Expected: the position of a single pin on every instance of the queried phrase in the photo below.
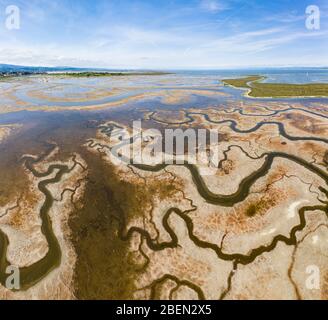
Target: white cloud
(187, 44)
(285, 17)
(213, 5)
(182, 50)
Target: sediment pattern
(80, 224)
(276, 182)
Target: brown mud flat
(69, 131)
(103, 270)
(106, 268)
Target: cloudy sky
(164, 34)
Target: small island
(258, 89)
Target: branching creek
(31, 275)
(34, 273)
(223, 200)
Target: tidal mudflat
(78, 225)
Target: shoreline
(249, 90)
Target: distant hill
(9, 68)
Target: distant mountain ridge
(16, 68)
(12, 68)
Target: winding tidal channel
(33, 274)
(223, 200)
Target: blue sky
(164, 34)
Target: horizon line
(169, 69)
